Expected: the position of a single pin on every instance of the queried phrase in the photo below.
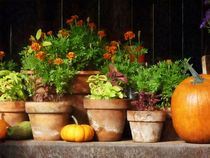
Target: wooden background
(170, 28)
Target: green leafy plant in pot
(154, 85)
(12, 97)
(106, 107)
(50, 60)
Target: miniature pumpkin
(3, 129)
(190, 108)
(76, 132)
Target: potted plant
(106, 107)
(88, 45)
(12, 97)
(126, 57)
(154, 85)
(52, 69)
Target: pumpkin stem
(197, 78)
(75, 120)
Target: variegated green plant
(101, 88)
(12, 87)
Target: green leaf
(38, 34)
(30, 50)
(46, 43)
(32, 38)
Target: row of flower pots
(107, 117)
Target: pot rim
(106, 103)
(12, 106)
(146, 116)
(48, 107)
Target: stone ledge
(118, 149)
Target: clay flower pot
(13, 112)
(107, 117)
(47, 118)
(146, 126)
(80, 86)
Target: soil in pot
(146, 126)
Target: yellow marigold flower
(35, 46)
(101, 34)
(60, 31)
(58, 61)
(129, 35)
(71, 55)
(49, 33)
(41, 55)
(2, 54)
(168, 61)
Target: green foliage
(8, 65)
(125, 57)
(49, 61)
(161, 78)
(87, 46)
(12, 87)
(101, 88)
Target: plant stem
(75, 120)
(197, 78)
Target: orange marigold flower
(129, 35)
(113, 49)
(112, 59)
(35, 46)
(107, 48)
(71, 55)
(101, 34)
(70, 21)
(49, 33)
(40, 55)
(92, 25)
(74, 17)
(50, 61)
(107, 56)
(58, 61)
(80, 22)
(30, 39)
(2, 54)
(114, 43)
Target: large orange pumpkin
(190, 108)
(77, 133)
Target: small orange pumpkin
(190, 108)
(3, 129)
(76, 132)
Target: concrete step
(118, 149)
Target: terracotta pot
(80, 86)
(146, 126)
(107, 117)
(13, 112)
(47, 118)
